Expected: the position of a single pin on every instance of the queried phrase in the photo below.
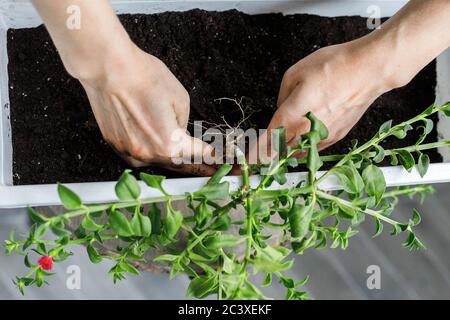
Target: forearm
(412, 38)
(84, 50)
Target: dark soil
(214, 55)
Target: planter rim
(21, 14)
(103, 192)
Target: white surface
(20, 14)
(103, 192)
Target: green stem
(395, 193)
(198, 239)
(117, 205)
(379, 137)
(371, 212)
(32, 271)
(275, 169)
(71, 242)
(277, 193)
(249, 224)
(414, 148)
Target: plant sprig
(220, 261)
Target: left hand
(336, 83)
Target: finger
(286, 88)
(201, 170)
(291, 117)
(287, 116)
(283, 94)
(191, 155)
(260, 151)
(134, 162)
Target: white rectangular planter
(21, 14)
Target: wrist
(91, 61)
(383, 61)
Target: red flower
(46, 262)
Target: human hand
(339, 83)
(336, 83)
(143, 110)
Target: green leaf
(228, 264)
(374, 182)
(423, 164)
(141, 225)
(128, 267)
(222, 223)
(446, 109)
(272, 253)
(127, 188)
(172, 222)
(429, 125)
(428, 110)
(64, 240)
(350, 178)
(153, 181)
(280, 176)
(378, 227)
(412, 242)
(302, 282)
(287, 282)
(41, 249)
(218, 191)
(299, 220)
(358, 218)
(36, 217)
(379, 154)
(416, 219)
(89, 225)
(220, 173)
(166, 258)
(69, 199)
(93, 254)
(407, 159)
(279, 141)
(313, 161)
(155, 219)
(267, 280)
(202, 214)
(346, 211)
(39, 277)
(202, 286)
(222, 241)
(27, 261)
(120, 223)
(260, 208)
(318, 126)
(394, 159)
(401, 133)
(265, 265)
(385, 127)
(398, 228)
(59, 230)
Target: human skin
(141, 108)
(339, 83)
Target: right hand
(143, 110)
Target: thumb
(193, 156)
(262, 151)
